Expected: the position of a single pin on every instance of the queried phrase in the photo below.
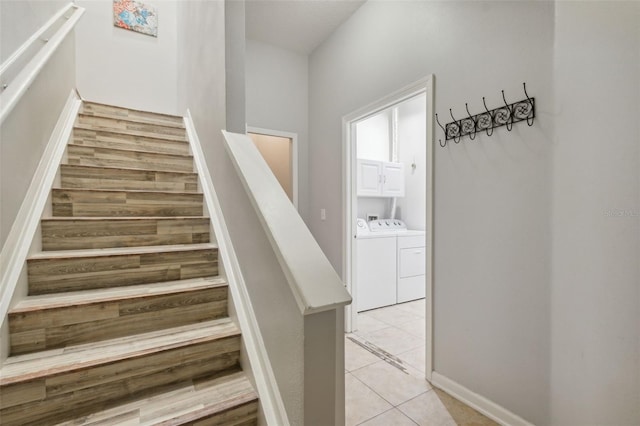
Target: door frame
(294, 154)
(424, 85)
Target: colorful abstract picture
(135, 16)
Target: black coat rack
(490, 119)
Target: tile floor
(384, 378)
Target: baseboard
(16, 247)
(485, 406)
(267, 387)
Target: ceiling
(298, 25)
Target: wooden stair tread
(110, 111)
(116, 251)
(133, 151)
(118, 218)
(87, 297)
(165, 137)
(137, 191)
(105, 138)
(75, 176)
(23, 368)
(126, 169)
(181, 405)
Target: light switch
(323, 214)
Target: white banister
(14, 89)
(313, 281)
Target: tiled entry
(384, 378)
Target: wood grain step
(126, 179)
(92, 203)
(130, 127)
(109, 111)
(58, 320)
(105, 139)
(228, 400)
(74, 270)
(104, 232)
(124, 158)
(60, 384)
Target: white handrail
(18, 86)
(314, 283)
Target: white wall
(374, 138)
(26, 131)
(492, 199)
(19, 19)
(122, 67)
(595, 327)
(277, 99)
(201, 47)
(235, 52)
(412, 149)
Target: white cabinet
(392, 180)
(380, 179)
(411, 268)
(369, 178)
(376, 271)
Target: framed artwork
(135, 16)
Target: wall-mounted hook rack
(506, 115)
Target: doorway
(423, 88)
(280, 151)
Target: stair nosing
(137, 191)
(133, 150)
(95, 355)
(139, 133)
(119, 218)
(94, 296)
(119, 251)
(127, 168)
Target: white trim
(19, 85)
(294, 154)
(485, 406)
(16, 247)
(267, 387)
(424, 85)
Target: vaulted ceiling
(298, 25)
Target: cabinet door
(369, 178)
(376, 269)
(393, 179)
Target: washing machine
(376, 262)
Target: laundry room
(390, 174)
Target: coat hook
(510, 117)
(490, 118)
(455, 122)
(530, 101)
(444, 131)
(473, 121)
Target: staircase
(126, 319)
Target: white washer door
(376, 272)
